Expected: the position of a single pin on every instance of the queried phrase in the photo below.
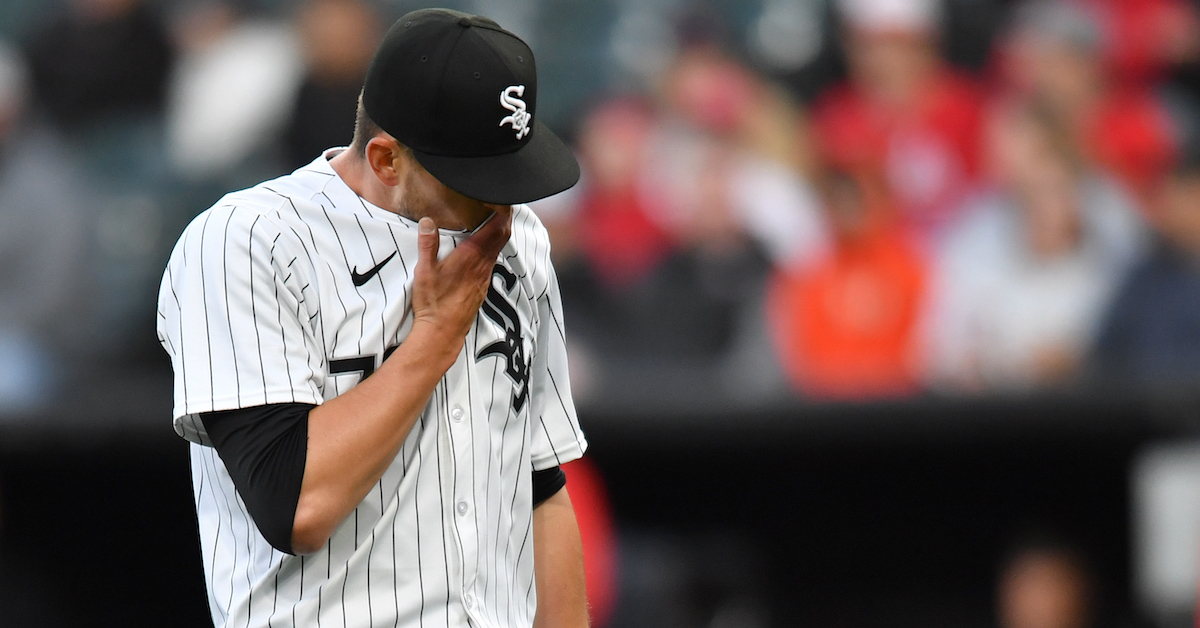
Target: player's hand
(447, 293)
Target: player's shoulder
(528, 250)
(529, 235)
(266, 206)
(278, 195)
(237, 212)
(245, 222)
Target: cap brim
(541, 168)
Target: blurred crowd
(840, 199)
(911, 225)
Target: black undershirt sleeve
(546, 483)
(264, 448)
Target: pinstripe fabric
(257, 306)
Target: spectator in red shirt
(1055, 54)
(904, 113)
(1145, 37)
(616, 225)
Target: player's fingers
(494, 234)
(427, 242)
(477, 254)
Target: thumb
(427, 241)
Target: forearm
(558, 565)
(353, 438)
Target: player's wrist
(434, 342)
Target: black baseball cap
(461, 92)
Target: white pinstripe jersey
(259, 304)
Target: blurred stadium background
(882, 312)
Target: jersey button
(468, 599)
(457, 414)
(462, 508)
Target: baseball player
(370, 365)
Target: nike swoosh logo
(365, 277)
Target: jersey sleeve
(233, 318)
(557, 437)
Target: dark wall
(903, 534)
(890, 515)
(99, 535)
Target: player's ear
(388, 159)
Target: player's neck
(356, 173)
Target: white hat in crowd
(892, 15)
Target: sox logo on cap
(434, 84)
(520, 117)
